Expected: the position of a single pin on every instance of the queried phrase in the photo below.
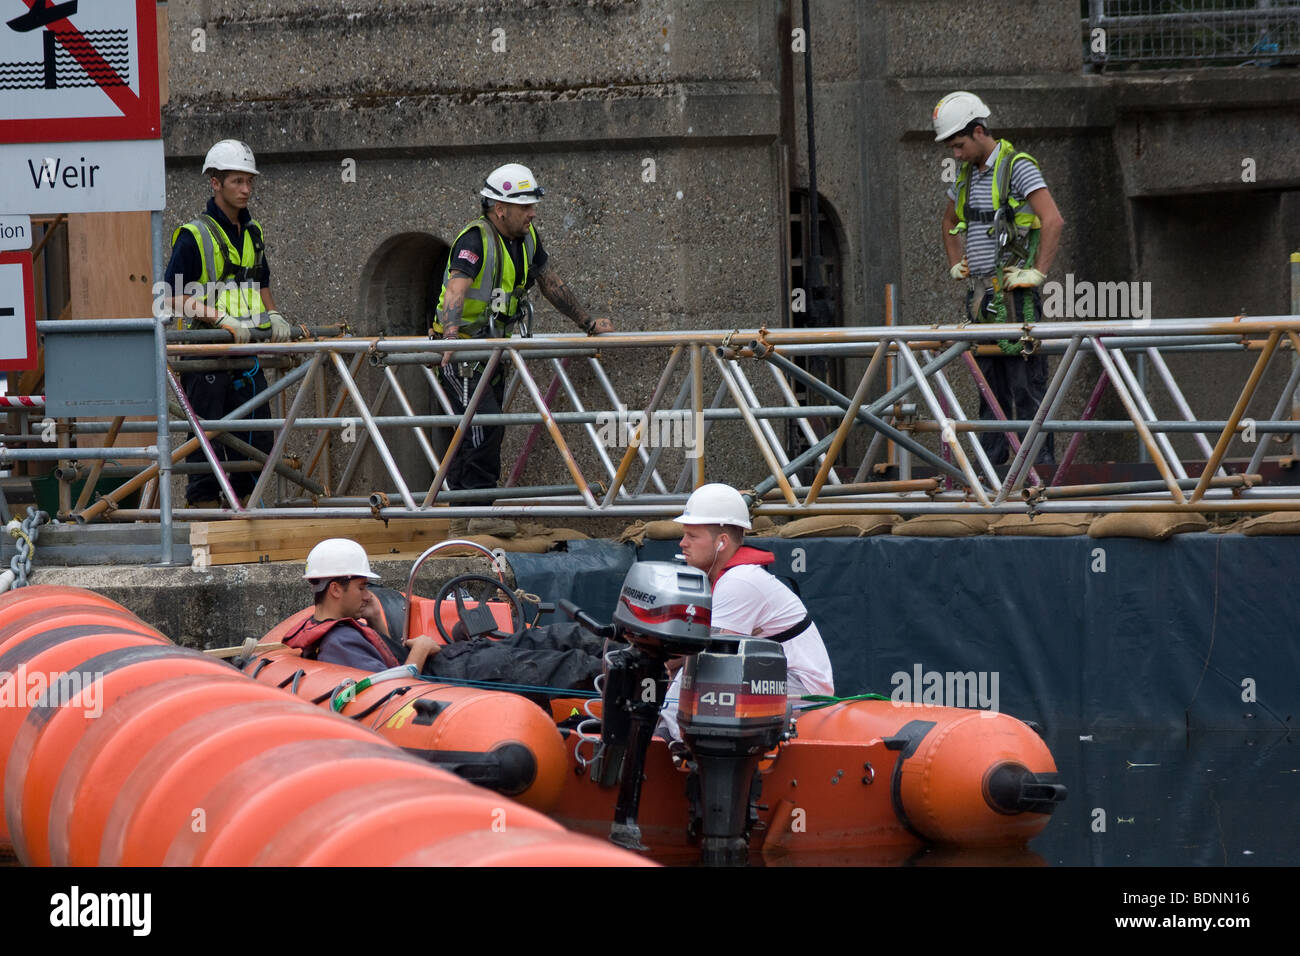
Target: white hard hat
(955, 112)
(512, 183)
(231, 154)
(338, 558)
(715, 504)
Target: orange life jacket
(310, 633)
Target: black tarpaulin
(1198, 631)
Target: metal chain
(25, 535)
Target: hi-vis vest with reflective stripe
(1007, 157)
(220, 262)
(496, 271)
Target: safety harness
(1015, 229)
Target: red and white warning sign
(78, 70)
(17, 312)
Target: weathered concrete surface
(1012, 37)
(414, 95)
(224, 606)
(587, 90)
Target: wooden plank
(201, 557)
(109, 265)
(254, 525)
(298, 550)
(373, 542)
(254, 529)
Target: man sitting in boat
(357, 626)
(338, 632)
(747, 599)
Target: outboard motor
(663, 610)
(733, 709)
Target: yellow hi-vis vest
(229, 269)
(496, 289)
(1007, 157)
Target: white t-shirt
(749, 600)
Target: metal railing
(1165, 34)
(920, 414)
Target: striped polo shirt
(981, 249)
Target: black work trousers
(1017, 382)
(477, 462)
(215, 395)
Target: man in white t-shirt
(747, 599)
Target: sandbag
(663, 530)
(1275, 522)
(1051, 525)
(944, 526)
(1152, 525)
(567, 534)
(528, 545)
(633, 533)
(838, 526)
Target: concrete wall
(224, 606)
(587, 92)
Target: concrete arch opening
(830, 233)
(397, 294)
(397, 282)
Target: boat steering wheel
(479, 620)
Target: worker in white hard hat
(1001, 232)
(340, 576)
(357, 626)
(492, 264)
(218, 277)
(747, 598)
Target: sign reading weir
(79, 107)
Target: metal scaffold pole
(923, 410)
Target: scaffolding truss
(640, 455)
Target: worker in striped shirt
(1001, 231)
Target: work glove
(1011, 346)
(1023, 278)
(235, 328)
(960, 271)
(279, 326)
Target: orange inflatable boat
(118, 748)
(853, 774)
